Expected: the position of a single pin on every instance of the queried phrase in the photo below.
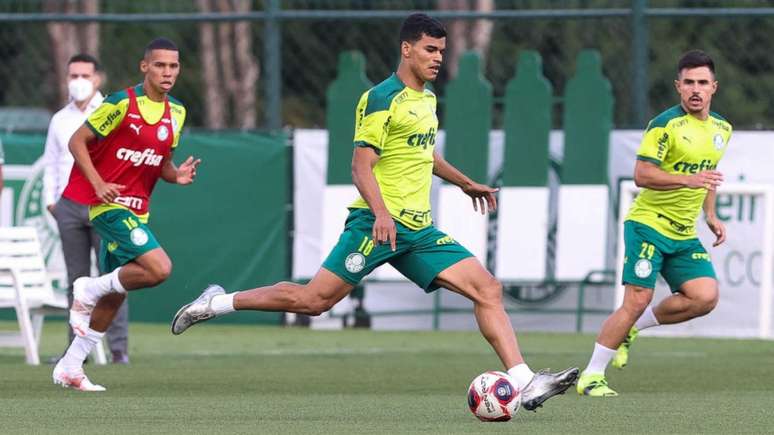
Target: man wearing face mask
(76, 231)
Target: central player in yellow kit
(676, 168)
(393, 164)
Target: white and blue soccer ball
(493, 397)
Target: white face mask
(80, 89)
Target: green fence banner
(468, 119)
(342, 97)
(588, 119)
(527, 124)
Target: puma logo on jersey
(136, 128)
(411, 112)
(147, 157)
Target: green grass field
(243, 379)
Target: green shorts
(420, 255)
(124, 238)
(649, 253)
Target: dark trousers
(78, 239)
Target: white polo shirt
(57, 160)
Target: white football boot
(545, 385)
(74, 378)
(197, 311)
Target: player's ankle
(223, 304)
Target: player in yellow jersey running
(676, 169)
(393, 164)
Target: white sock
(223, 304)
(647, 319)
(104, 284)
(115, 282)
(80, 348)
(521, 374)
(599, 359)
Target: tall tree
(229, 67)
(466, 34)
(66, 39)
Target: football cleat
(83, 305)
(594, 385)
(545, 385)
(199, 310)
(621, 357)
(74, 379)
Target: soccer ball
(492, 397)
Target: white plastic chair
(25, 287)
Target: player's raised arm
(363, 161)
(481, 194)
(79, 147)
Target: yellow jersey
(400, 124)
(678, 143)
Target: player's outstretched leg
(313, 298)
(470, 279)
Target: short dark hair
(695, 59)
(417, 24)
(160, 44)
(85, 58)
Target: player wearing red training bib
(130, 156)
(120, 153)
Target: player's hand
(718, 229)
(384, 231)
(186, 172)
(483, 196)
(709, 180)
(50, 208)
(107, 192)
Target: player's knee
(160, 272)
(318, 306)
(637, 299)
(491, 293)
(706, 302)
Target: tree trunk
(456, 35)
(63, 45)
(463, 34)
(481, 34)
(90, 31)
(247, 65)
(225, 44)
(214, 109)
